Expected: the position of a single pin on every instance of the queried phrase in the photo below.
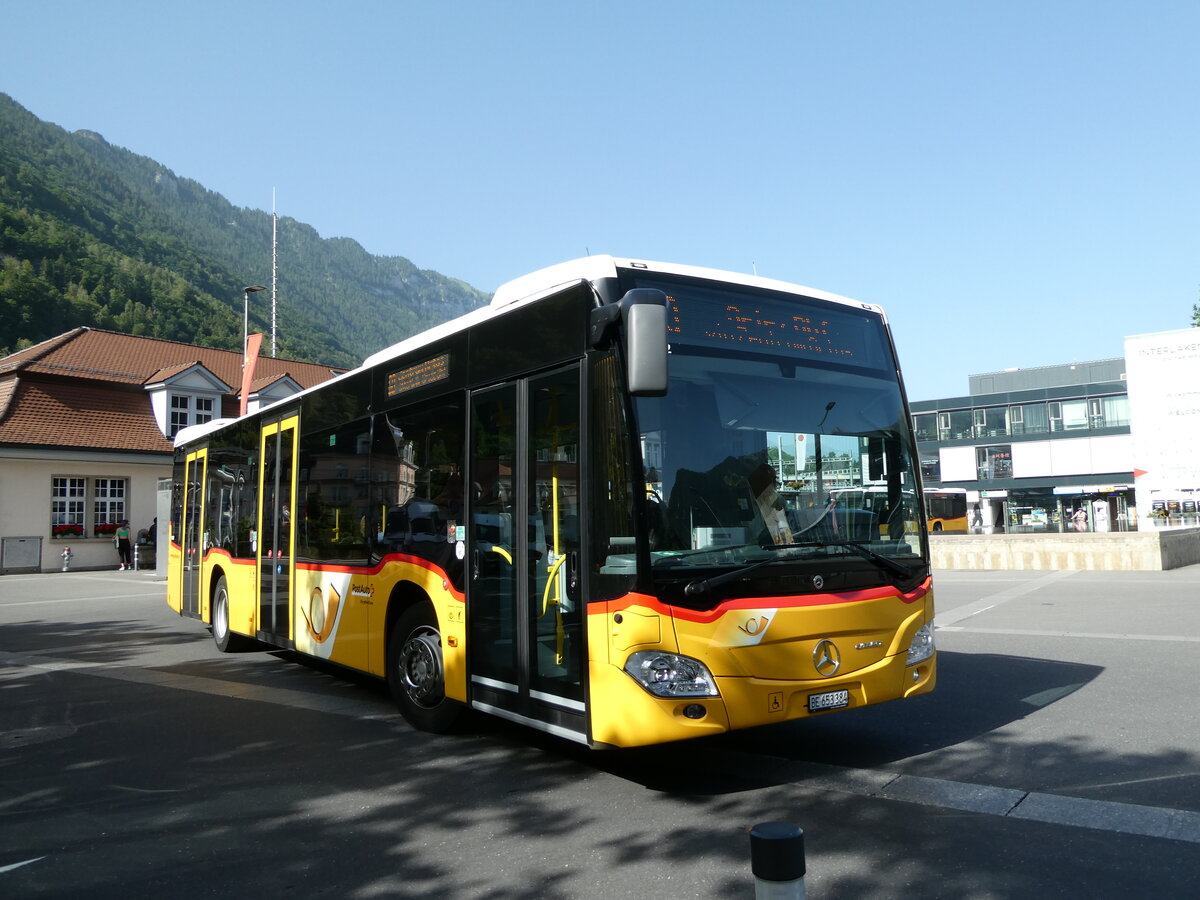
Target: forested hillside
(92, 234)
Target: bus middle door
(524, 612)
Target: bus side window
(416, 485)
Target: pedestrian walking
(124, 548)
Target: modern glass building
(1041, 449)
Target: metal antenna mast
(274, 266)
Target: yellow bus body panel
(448, 606)
(763, 657)
(242, 583)
(174, 585)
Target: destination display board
(420, 375)
(799, 327)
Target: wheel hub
(421, 669)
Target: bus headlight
(670, 675)
(921, 647)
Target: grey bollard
(777, 861)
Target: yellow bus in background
(946, 509)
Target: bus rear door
(192, 526)
(275, 549)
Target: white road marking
(18, 865)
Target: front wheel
(225, 639)
(416, 675)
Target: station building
(87, 422)
(1105, 445)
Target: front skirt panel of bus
(773, 659)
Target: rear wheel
(416, 675)
(225, 639)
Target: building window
(1074, 415)
(991, 421)
(1116, 411)
(108, 505)
(994, 463)
(188, 410)
(961, 424)
(69, 500)
(204, 410)
(925, 426)
(67, 495)
(931, 468)
(1029, 418)
(181, 405)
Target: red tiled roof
(264, 381)
(16, 360)
(7, 389)
(87, 388)
(167, 371)
(95, 354)
(62, 414)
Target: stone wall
(1114, 551)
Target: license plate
(828, 700)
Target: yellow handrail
(550, 582)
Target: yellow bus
(570, 509)
(946, 509)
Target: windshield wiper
(887, 564)
(884, 562)
(704, 585)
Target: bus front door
(524, 611)
(276, 544)
(192, 526)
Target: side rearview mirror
(644, 315)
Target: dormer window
(185, 395)
(187, 409)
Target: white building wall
(1032, 459)
(1164, 408)
(1070, 457)
(25, 487)
(158, 403)
(1045, 459)
(958, 464)
(1112, 454)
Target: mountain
(92, 234)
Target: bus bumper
(756, 701)
(625, 715)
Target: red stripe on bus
(788, 602)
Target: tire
(937, 526)
(223, 637)
(416, 675)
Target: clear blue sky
(1017, 183)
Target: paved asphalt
(1059, 757)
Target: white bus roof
(531, 288)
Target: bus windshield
(783, 436)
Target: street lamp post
(247, 291)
